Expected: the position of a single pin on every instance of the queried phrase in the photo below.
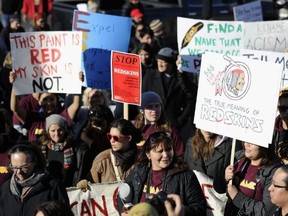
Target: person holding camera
(158, 173)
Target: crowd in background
(52, 141)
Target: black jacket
(179, 181)
(46, 190)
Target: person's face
(99, 126)
(39, 213)
(137, 19)
(134, 2)
(146, 39)
(152, 112)
(40, 22)
(48, 102)
(283, 108)
(278, 193)
(162, 65)
(207, 135)
(252, 151)
(144, 57)
(21, 166)
(119, 142)
(96, 98)
(240, 82)
(56, 133)
(160, 157)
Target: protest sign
(99, 200)
(43, 62)
(249, 12)
(126, 78)
(215, 202)
(197, 36)
(237, 97)
(101, 34)
(268, 56)
(267, 35)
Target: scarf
(68, 153)
(22, 188)
(125, 159)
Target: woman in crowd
(114, 164)
(58, 148)
(251, 177)
(279, 191)
(30, 184)
(53, 208)
(152, 119)
(34, 121)
(208, 152)
(157, 169)
(93, 140)
(147, 57)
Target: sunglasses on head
(115, 138)
(158, 136)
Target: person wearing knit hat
(149, 98)
(57, 147)
(143, 209)
(157, 27)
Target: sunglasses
(115, 138)
(283, 108)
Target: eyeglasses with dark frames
(279, 186)
(23, 168)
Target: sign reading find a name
(237, 97)
(46, 62)
(126, 77)
(195, 37)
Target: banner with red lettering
(99, 200)
(126, 77)
(47, 61)
(215, 202)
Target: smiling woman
(30, 184)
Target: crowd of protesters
(52, 141)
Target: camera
(157, 201)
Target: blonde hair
(85, 98)
(8, 60)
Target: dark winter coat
(46, 190)
(179, 181)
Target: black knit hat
(166, 54)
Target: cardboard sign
(268, 56)
(101, 34)
(237, 97)
(46, 62)
(249, 12)
(126, 77)
(99, 200)
(268, 35)
(198, 36)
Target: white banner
(99, 200)
(216, 202)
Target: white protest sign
(249, 12)
(237, 97)
(194, 37)
(100, 200)
(269, 56)
(267, 35)
(46, 62)
(216, 202)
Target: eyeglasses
(23, 168)
(116, 138)
(283, 108)
(158, 136)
